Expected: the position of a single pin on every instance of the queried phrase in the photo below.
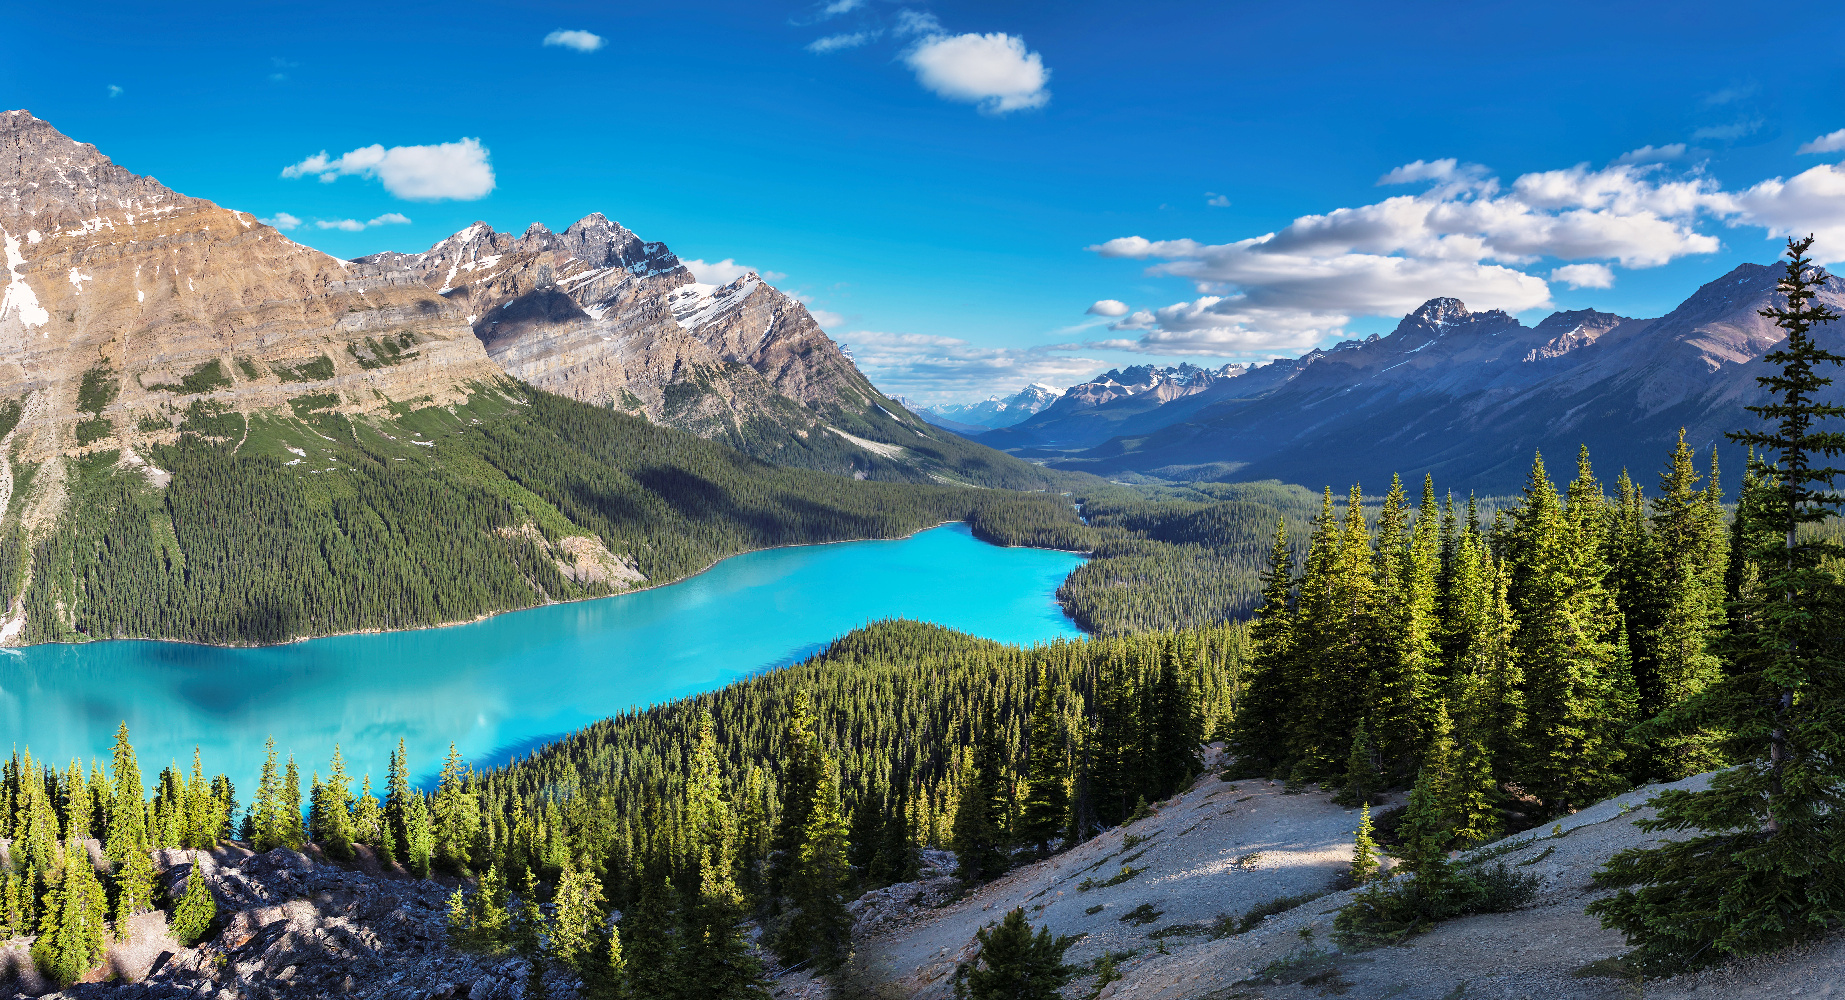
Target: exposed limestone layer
(166, 301)
(598, 314)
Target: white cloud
(1108, 307)
(1468, 235)
(282, 220)
(354, 225)
(1653, 154)
(934, 369)
(721, 272)
(1584, 275)
(115, 91)
(826, 318)
(838, 7)
(834, 43)
(1216, 200)
(1831, 142)
(1812, 201)
(451, 170)
(993, 71)
(582, 41)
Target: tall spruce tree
(1765, 871)
(128, 803)
(1047, 799)
(333, 809)
(74, 928)
(979, 832)
(819, 931)
(269, 819)
(803, 768)
(1260, 730)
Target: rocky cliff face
(600, 315)
(128, 305)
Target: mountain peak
(1442, 311)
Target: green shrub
(1399, 908)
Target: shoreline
(554, 603)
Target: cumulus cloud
(834, 43)
(1108, 307)
(721, 272)
(934, 369)
(1584, 275)
(452, 170)
(838, 7)
(1216, 200)
(115, 91)
(1467, 234)
(354, 225)
(1809, 202)
(993, 71)
(1653, 154)
(826, 318)
(282, 220)
(1831, 142)
(582, 41)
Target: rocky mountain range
(132, 312)
(1467, 396)
(992, 412)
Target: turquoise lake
(506, 684)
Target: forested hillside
(778, 797)
(270, 528)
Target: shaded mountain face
(994, 411)
(130, 309)
(600, 315)
(1469, 397)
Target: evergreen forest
(1503, 664)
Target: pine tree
(803, 767)
(717, 962)
(76, 803)
(576, 912)
(1364, 779)
(292, 833)
(1364, 849)
(269, 813)
(1047, 799)
(419, 836)
(1566, 756)
(396, 804)
(73, 933)
(1338, 619)
(128, 806)
(197, 908)
(1403, 683)
(651, 936)
(820, 929)
(332, 807)
(1687, 590)
(607, 978)
(1261, 729)
(368, 821)
(980, 813)
(1427, 827)
(1173, 730)
(1012, 964)
(456, 815)
(528, 937)
(135, 890)
(1765, 870)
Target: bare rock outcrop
(157, 302)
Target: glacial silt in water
(508, 683)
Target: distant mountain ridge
(994, 411)
(1468, 396)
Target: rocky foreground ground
(1154, 895)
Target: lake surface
(509, 683)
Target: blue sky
(951, 186)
